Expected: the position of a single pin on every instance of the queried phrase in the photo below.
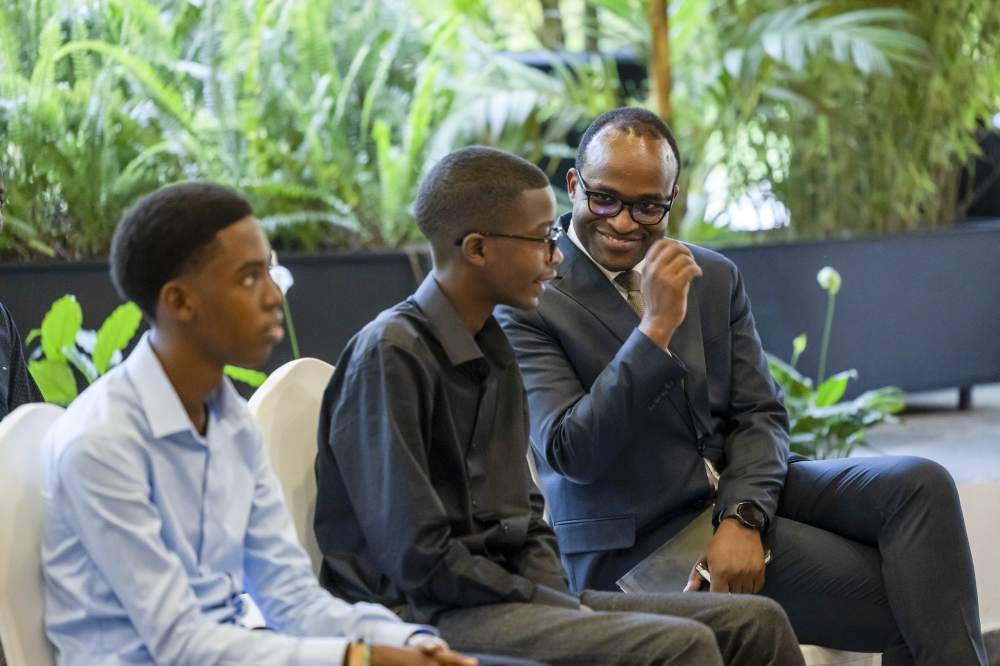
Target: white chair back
(22, 586)
(287, 408)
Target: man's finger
(694, 581)
(665, 250)
(654, 251)
(719, 583)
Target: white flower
(282, 277)
(829, 279)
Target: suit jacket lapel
(688, 346)
(583, 281)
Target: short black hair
(631, 120)
(469, 189)
(167, 233)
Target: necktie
(630, 280)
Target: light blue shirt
(152, 532)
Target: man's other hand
(734, 558)
(666, 279)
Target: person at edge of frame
(17, 386)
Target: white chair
(814, 656)
(287, 408)
(22, 586)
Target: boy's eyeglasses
(551, 239)
(607, 205)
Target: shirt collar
(611, 275)
(160, 402)
(451, 333)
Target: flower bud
(829, 279)
(799, 344)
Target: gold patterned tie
(631, 280)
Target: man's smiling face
(631, 167)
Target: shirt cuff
(322, 652)
(395, 634)
(549, 597)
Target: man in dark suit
(651, 399)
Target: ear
(571, 182)
(177, 302)
(474, 249)
(677, 190)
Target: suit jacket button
(506, 528)
(669, 385)
(701, 447)
(699, 504)
(475, 504)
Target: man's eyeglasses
(608, 205)
(551, 239)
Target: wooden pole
(591, 28)
(553, 37)
(659, 60)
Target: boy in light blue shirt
(161, 508)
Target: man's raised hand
(666, 279)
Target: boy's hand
(436, 647)
(426, 655)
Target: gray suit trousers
(694, 629)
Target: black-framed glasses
(607, 205)
(551, 239)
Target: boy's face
(521, 268)
(234, 306)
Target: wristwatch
(747, 513)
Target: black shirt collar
(445, 323)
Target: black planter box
(920, 311)
(333, 296)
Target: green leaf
(55, 380)
(60, 326)
(251, 377)
(34, 333)
(833, 388)
(115, 334)
(794, 384)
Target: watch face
(749, 513)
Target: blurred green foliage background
(858, 116)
